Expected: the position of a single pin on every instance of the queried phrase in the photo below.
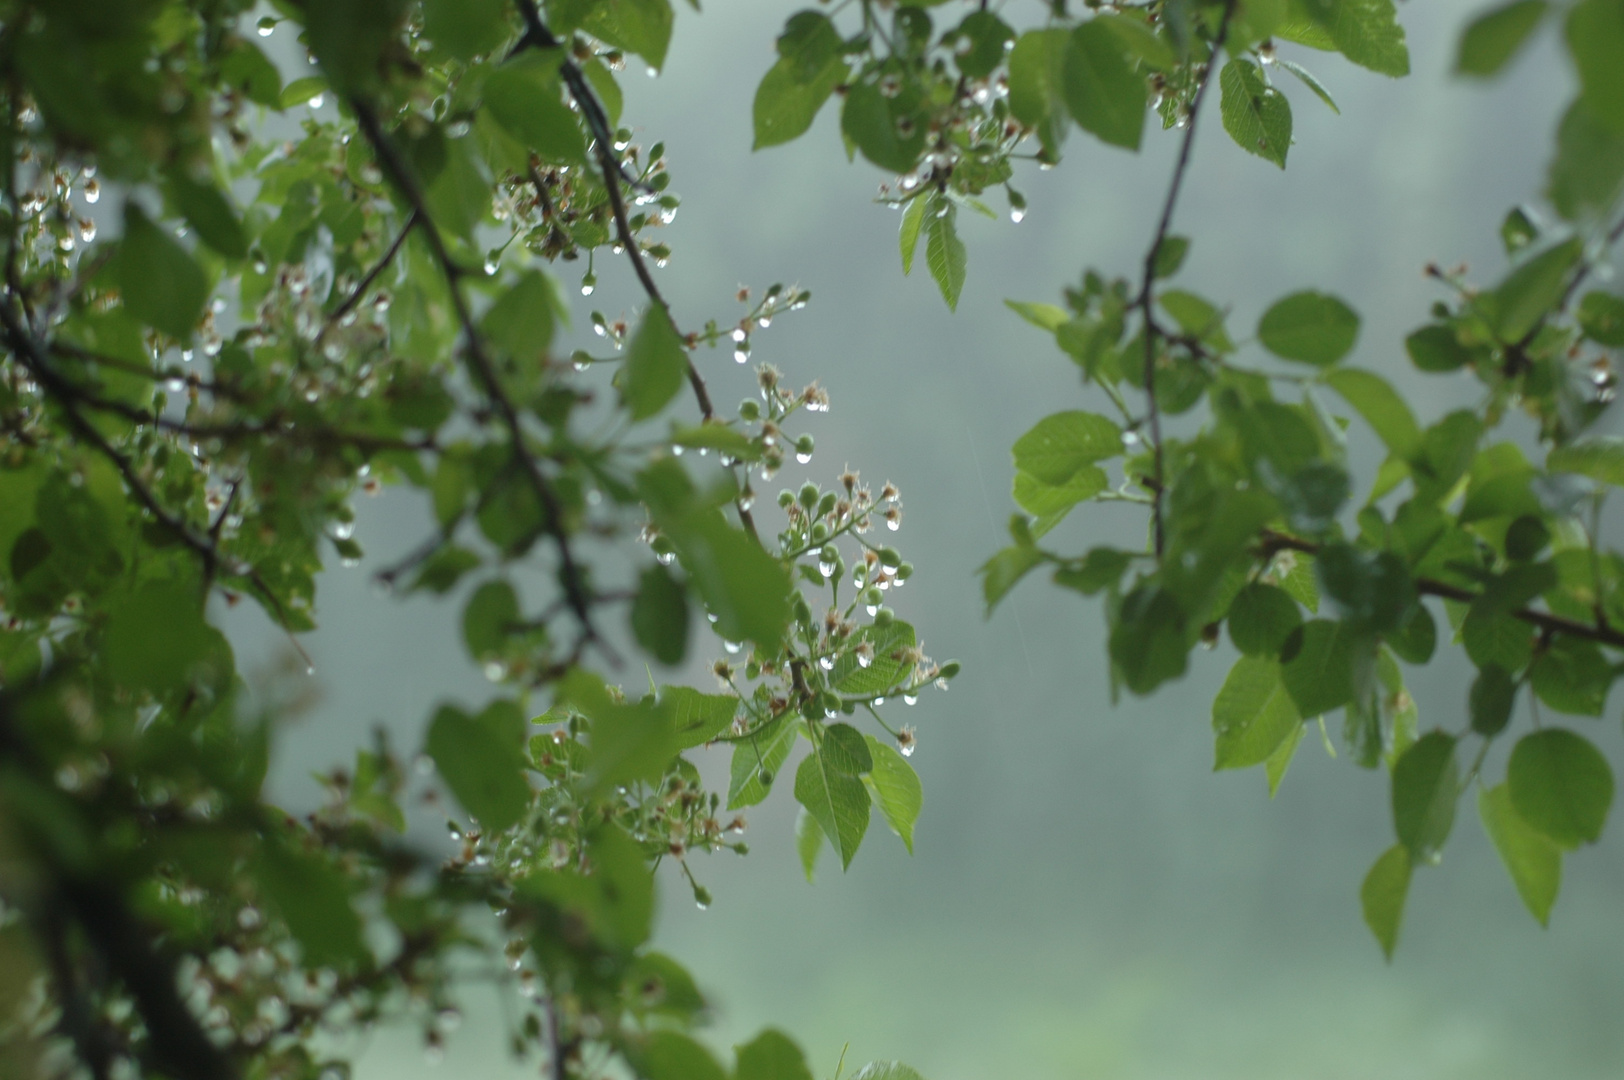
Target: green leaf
(1600, 457)
(871, 121)
(1037, 67)
(1517, 230)
(349, 38)
(1102, 568)
(835, 797)
(490, 619)
(1595, 33)
(1572, 676)
(1426, 782)
(945, 253)
(896, 789)
(1050, 503)
(1492, 697)
(460, 195)
(1382, 407)
(249, 71)
(771, 1055)
(156, 639)
(1150, 643)
(1365, 31)
(1261, 617)
(660, 615)
(1256, 115)
(697, 718)
(887, 668)
(1493, 38)
(655, 367)
(1043, 316)
(670, 1055)
(767, 750)
(1309, 81)
(1436, 349)
(1311, 328)
(630, 743)
(1196, 317)
(1372, 591)
(1601, 315)
(1170, 256)
(1382, 896)
(1279, 761)
(886, 1070)
(302, 90)
(1533, 861)
(1140, 41)
(1103, 92)
(481, 760)
(744, 587)
(1533, 289)
(1318, 666)
(521, 321)
(1587, 171)
(314, 901)
(913, 219)
(1416, 638)
(1561, 786)
(525, 99)
(158, 281)
(1062, 444)
(466, 28)
(639, 26)
(808, 842)
(1252, 714)
(210, 213)
(790, 96)
(987, 37)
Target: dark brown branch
(372, 276)
(1543, 620)
(405, 183)
(1146, 300)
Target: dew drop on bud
(827, 663)
(803, 458)
(910, 699)
(1016, 214)
(732, 647)
(893, 524)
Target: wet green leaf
(1561, 786)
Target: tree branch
(1145, 300)
(1543, 620)
(553, 511)
(372, 275)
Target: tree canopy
(277, 309)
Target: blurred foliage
(306, 302)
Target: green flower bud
(749, 410)
(826, 504)
(809, 495)
(830, 554)
(890, 557)
(785, 497)
(803, 446)
(884, 617)
(904, 571)
(766, 777)
(873, 597)
(820, 533)
(949, 669)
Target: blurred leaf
(314, 900)
(1062, 444)
(1588, 170)
(1311, 328)
(794, 89)
(1426, 783)
(1534, 862)
(639, 26)
(1602, 317)
(1149, 643)
(1572, 676)
(466, 28)
(210, 213)
(524, 97)
(1261, 617)
(1317, 666)
(1491, 699)
(771, 1055)
(1037, 85)
(1530, 291)
(655, 365)
(871, 121)
(1493, 38)
(1252, 714)
(1435, 348)
(481, 760)
(158, 281)
(808, 842)
(1561, 786)
(1595, 34)
(1382, 896)
(1382, 407)
(489, 619)
(1600, 457)
(660, 615)
(1104, 94)
(520, 323)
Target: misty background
(1087, 899)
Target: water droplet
(893, 524)
(732, 647)
(1016, 214)
(586, 288)
(494, 671)
(491, 266)
(267, 27)
(186, 355)
(865, 659)
(878, 702)
(910, 699)
(316, 102)
(907, 751)
(827, 663)
(741, 355)
(87, 230)
(827, 569)
(872, 609)
(803, 458)
(664, 558)
(92, 191)
(764, 322)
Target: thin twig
(1145, 301)
(372, 276)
